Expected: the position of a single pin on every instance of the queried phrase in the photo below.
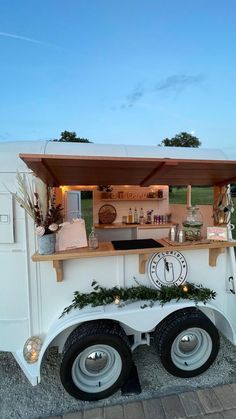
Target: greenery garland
(102, 296)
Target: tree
(182, 140)
(71, 137)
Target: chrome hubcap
(96, 368)
(191, 349)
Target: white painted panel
(13, 285)
(14, 334)
(153, 233)
(116, 234)
(6, 218)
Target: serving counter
(107, 249)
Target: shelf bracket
(57, 264)
(213, 255)
(142, 262)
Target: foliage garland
(102, 296)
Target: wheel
(96, 360)
(187, 343)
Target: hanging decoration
(103, 296)
(223, 207)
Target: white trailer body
(31, 300)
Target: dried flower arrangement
(40, 205)
(105, 188)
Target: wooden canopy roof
(57, 170)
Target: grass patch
(87, 213)
(200, 195)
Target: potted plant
(41, 206)
(106, 191)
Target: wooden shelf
(133, 199)
(106, 249)
(137, 226)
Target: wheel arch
(221, 321)
(218, 318)
(63, 327)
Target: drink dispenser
(193, 223)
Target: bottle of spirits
(136, 221)
(93, 239)
(130, 216)
(141, 216)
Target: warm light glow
(32, 349)
(117, 300)
(66, 188)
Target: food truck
(141, 282)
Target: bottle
(172, 234)
(130, 216)
(149, 216)
(93, 239)
(141, 216)
(135, 216)
(181, 236)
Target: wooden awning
(57, 170)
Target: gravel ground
(18, 399)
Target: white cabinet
(152, 233)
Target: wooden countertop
(106, 249)
(138, 226)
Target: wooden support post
(189, 196)
(57, 264)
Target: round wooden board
(107, 214)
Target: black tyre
(96, 362)
(187, 343)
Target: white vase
(46, 244)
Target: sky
(118, 71)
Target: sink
(135, 244)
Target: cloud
(132, 98)
(23, 38)
(174, 83)
(4, 135)
(178, 82)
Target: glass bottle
(141, 216)
(135, 216)
(93, 239)
(130, 216)
(149, 216)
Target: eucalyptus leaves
(103, 296)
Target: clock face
(167, 268)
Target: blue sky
(118, 71)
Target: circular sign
(167, 268)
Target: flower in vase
(40, 230)
(40, 205)
(53, 227)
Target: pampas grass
(40, 205)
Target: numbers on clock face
(167, 268)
